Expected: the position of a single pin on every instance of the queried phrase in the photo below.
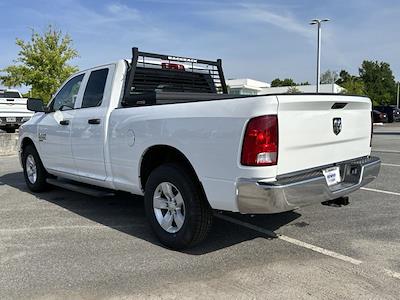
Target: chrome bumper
(299, 189)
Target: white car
(13, 110)
(164, 127)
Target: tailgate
(307, 137)
(13, 105)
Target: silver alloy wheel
(169, 207)
(31, 170)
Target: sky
(256, 39)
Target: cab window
(94, 91)
(66, 97)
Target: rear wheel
(176, 207)
(34, 173)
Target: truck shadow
(125, 213)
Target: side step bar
(80, 188)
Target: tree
(42, 63)
(285, 82)
(328, 77)
(379, 81)
(354, 86)
(343, 77)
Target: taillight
(260, 144)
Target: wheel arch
(157, 155)
(27, 141)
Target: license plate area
(332, 175)
(11, 120)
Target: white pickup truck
(13, 110)
(164, 127)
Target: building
(323, 88)
(247, 86)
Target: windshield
(9, 94)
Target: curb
(8, 144)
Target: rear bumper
(4, 123)
(303, 188)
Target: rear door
(90, 123)
(316, 130)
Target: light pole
(318, 22)
(398, 94)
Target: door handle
(94, 121)
(64, 122)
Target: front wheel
(176, 207)
(34, 173)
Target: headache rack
(162, 79)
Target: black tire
(198, 213)
(10, 130)
(40, 184)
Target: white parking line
(390, 165)
(320, 250)
(291, 240)
(380, 191)
(392, 274)
(299, 243)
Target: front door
(54, 132)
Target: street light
(318, 22)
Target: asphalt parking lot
(64, 244)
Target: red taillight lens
(260, 144)
(172, 66)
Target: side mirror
(36, 105)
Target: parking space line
(320, 250)
(392, 274)
(380, 191)
(291, 240)
(302, 244)
(390, 165)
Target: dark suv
(392, 112)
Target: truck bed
(160, 98)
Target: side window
(66, 97)
(94, 91)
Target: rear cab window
(94, 91)
(9, 94)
